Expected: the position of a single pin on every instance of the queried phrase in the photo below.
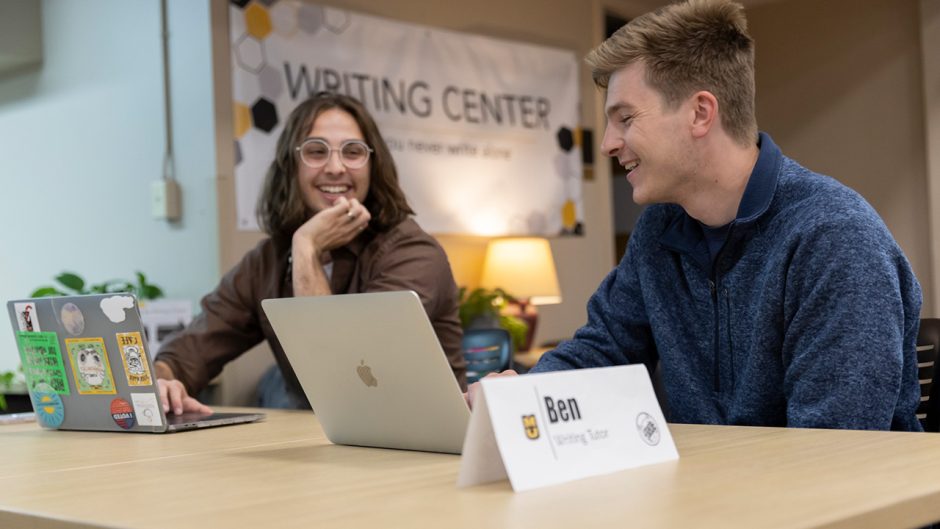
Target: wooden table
(284, 473)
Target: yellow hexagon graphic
(242, 119)
(568, 215)
(257, 21)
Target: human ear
(704, 112)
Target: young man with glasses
(337, 222)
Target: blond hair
(687, 47)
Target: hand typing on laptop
(173, 395)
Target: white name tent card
(549, 428)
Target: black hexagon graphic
(565, 139)
(587, 146)
(264, 115)
(578, 229)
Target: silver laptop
(372, 369)
(87, 367)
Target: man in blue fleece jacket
(769, 294)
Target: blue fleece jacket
(807, 316)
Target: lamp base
(531, 319)
(528, 314)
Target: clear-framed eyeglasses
(315, 153)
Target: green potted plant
(13, 385)
(482, 308)
(6, 380)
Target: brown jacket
(232, 321)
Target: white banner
(483, 131)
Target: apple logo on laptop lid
(365, 373)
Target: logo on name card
(648, 429)
(531, 427)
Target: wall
(840, 89)
(83, 138)
(20, 36)
(930, 61)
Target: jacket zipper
(715, 338)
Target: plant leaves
(118, 286)
(517, 327)
(480, 302)
(6, 380)
(72, 281)
(43, 292)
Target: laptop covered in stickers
(87, 367)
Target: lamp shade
(523, 267)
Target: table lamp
(524, 268)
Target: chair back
(486, 351)
(928, 351)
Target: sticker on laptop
(72, 319)
(26, 318)
(90, 366)
(115, 307)
(122, 413)
(48, 406)
(42, 361)
(145, 406)
(134, 358)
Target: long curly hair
(281, 209)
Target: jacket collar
(684, 234)
(762, 183)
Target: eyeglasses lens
(317, 153)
